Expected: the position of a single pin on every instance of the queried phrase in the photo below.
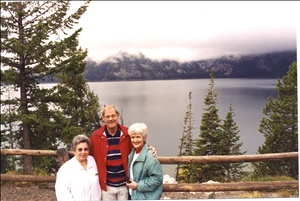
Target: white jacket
(74, 183)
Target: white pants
(115, 193)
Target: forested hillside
(131, 67)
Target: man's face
(110, 118)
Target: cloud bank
(188, 30)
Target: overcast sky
(187, 31)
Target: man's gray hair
(109, 107)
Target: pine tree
(234, 171)
(36, 46)
(280, 128)
(8, 133)
(210, 138)
(84, 109)
(186, 148)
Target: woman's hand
(132, 184)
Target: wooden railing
(63, 156)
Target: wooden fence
(63, 156)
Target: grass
(38, 172)
(281, 193)
(251, 194)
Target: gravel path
(39, 194)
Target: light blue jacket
(147, 173)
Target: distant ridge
(137, 67)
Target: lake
(162, 104)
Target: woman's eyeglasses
(80, 149)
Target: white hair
(138, 128)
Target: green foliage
(214, 139)
(210, 141)
(14, 183)
(8, 140)
(41, 172)
(253, 177)
(37, 172)
(8, 163)
(186, 148)
(39, 46)
(233, 171)
(280, 128)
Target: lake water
(162, 105)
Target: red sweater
(99, 149)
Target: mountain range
(128, 67)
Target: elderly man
(110, 146)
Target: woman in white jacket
(77, 179)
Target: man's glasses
(110, 116)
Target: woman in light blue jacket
(145, 172)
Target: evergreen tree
(280, 128)
(234, 171)
(76, 100)
(210, 141)
(186, 148)
(8, 133)
(36, 46)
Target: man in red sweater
(110, 146)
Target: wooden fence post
(62, 155)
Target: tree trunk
(28, 161)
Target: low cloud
(188, 30)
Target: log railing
(174, 159)
(63, 156)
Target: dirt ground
(11, 193)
